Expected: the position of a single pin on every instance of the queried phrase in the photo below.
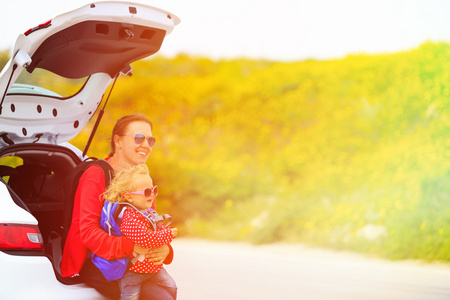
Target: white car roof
(98, 40)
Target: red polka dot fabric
(138, 229)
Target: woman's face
(128, 151)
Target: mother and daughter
(131, 145)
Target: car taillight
(20, 237)
(40, 26)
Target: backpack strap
(107, 169)
(106, 211)
(159, 218)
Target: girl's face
(142, 181)
(132, 151)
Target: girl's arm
(136, 228)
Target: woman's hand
(139, 250)
(155, 255)
(158, 255)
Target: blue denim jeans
(149, 290)
(130, 285)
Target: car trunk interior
(38, 178)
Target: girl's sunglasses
(147, 192)
(139, 138)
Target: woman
(131, 144)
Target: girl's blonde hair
(124, 182)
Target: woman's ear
(117, 141)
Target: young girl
(135, 186)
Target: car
(92, 46)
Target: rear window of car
(43, 82)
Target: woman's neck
(117, 164)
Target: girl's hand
(174, 232)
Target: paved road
(217, 271)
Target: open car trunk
(37, 178)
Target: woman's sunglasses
(139, 138)
(147, 192)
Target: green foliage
(333, 153)
(4, 57)
(350, 153)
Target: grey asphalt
(207, 270)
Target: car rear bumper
(32, 277)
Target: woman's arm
(91, 186)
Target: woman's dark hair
(122, 124)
